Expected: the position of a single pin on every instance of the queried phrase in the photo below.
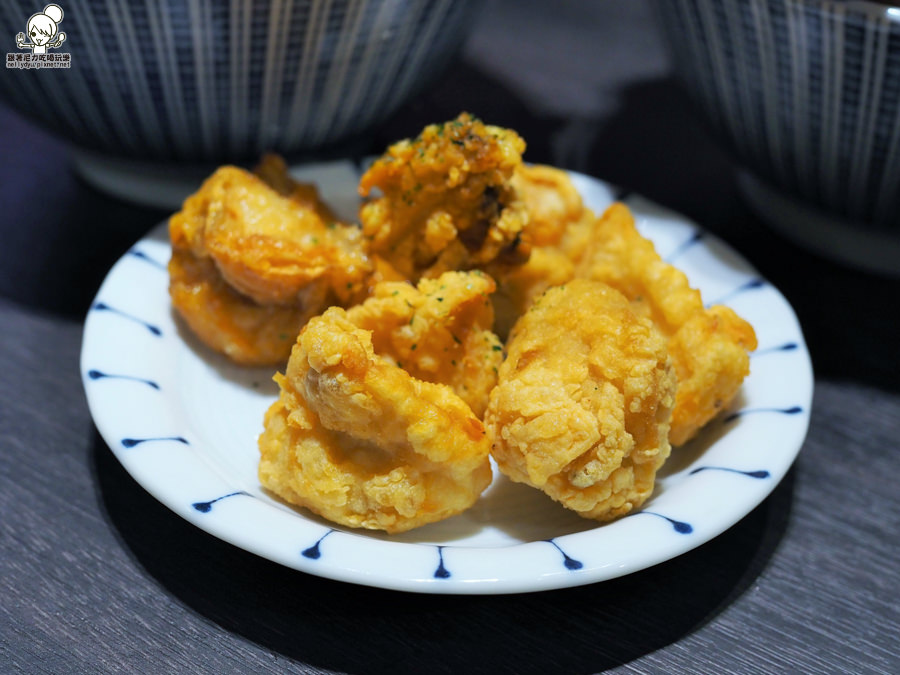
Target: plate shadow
(317, 621)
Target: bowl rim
(889, 12)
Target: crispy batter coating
(438, 331)
(248, 333)
(267, 245)
(252, 261)
(518, 287)
(709, 347)
(558, 227)
(392, 332)
(446, 200)
(554, 205)
(273, 171)
(361, 442)
(582, 407)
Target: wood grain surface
(98, 577)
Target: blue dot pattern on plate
(751, 285)
(759, 473)
(785, 347)
(695, 238)
(679, 526)
(441, 571)
(568, 561)
(140, 255)
(103, 307)
(98, 375)
(134, 442)
(206, 507)
(792, 410)
(314, 552)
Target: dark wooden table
(96, 576)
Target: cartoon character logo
(43, 29)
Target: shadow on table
(355, 629)
(59, 236)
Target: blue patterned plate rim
(183, 422)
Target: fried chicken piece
(361, 442)
(518, 287)
(252, 262)
(268, 246)
(554, 205)
(248, 333)
(709, 347)
(438, 331)
(581, 410)
(558, 226)
(446, 200)
(273, 171)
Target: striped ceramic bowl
(806, 93)
(216, 80)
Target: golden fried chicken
(361, 442)
(438, 331)
(232, 324)
(558, 226)
(519, 286)
(273, 171)
(709, 347)
(554, 205)
(581, 410)
(266, 245)
(255, 261)
(445, 200)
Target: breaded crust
(709, 347)
(358, 440)
(438, 331)
(445, 200)
(582, 406)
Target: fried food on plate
(518, 287)
(252, 262)
(269, 246)
(273, 171)
(555, 207)
(438, 331)
(709, 347)
(558, 227)
(445, 200)
(246, 332)
(361, 442)
(582, 406)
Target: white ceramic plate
(184, 423)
